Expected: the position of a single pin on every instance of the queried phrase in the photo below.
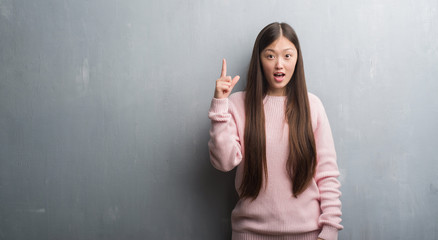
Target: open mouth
(279, 76)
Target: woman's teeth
(279, 77)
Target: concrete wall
(103, 113)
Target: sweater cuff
(328, 233)
(219, 105)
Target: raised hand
(225, 84)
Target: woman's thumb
(235, 80)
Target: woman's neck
(276, 93)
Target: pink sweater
(275, 213)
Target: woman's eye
(270, 56)
(288, 56)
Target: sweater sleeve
(224, 145)
(326, 177)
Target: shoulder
(317, 110)
(315, 104)
(237, 98)
(314, 100)
(237, 101)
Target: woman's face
(278, 62)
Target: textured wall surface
(103, 113)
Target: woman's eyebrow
(272, 50)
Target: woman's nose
(279, 64)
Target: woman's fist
(225, 84)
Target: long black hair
(301, 163)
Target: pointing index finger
(224, 68)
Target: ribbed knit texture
(275, 213)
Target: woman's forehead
(281, 44)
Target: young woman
(278, 136)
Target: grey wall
(103, 113)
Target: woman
(279, 137)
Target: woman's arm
(326, 176)
(224, 144)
